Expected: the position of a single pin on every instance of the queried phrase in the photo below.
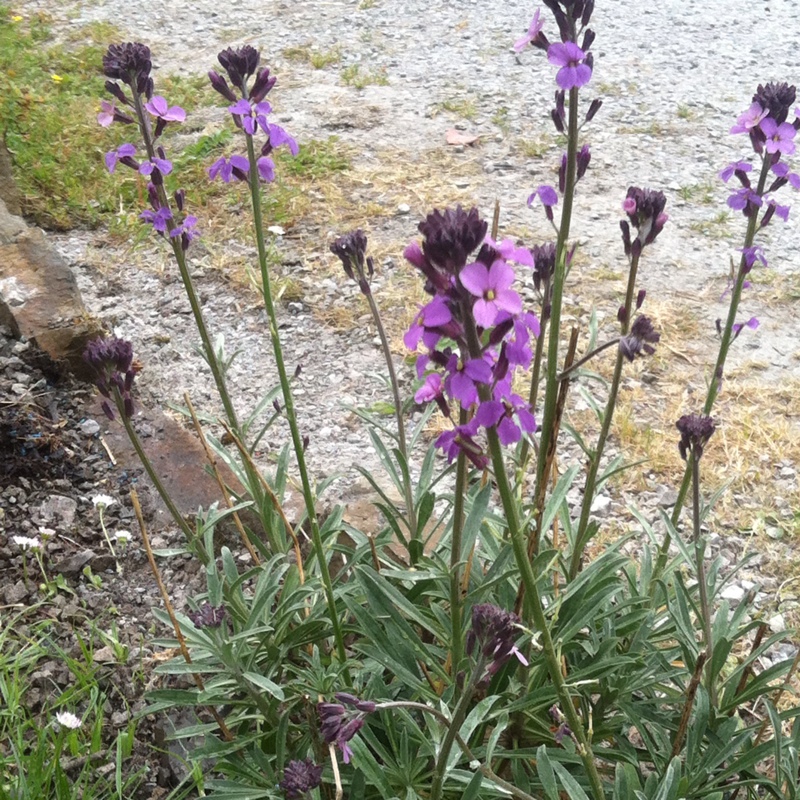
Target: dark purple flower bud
(152, 196)
(645, 210)
(261, 86)
(297, 370)
(768, 214)
(719, 326)
(584, 157)
(641, 338)
(588, 8)
(306, 441)
(367, 706)
(559, 113)
(221, 85)
(544, 263)
(561, 19)
(776, 99)
(449, 238)
(129, 63)
(112, 361)
(300, 777)
(351, 250)
(562, 174)
(180, 199)
(594, 107)
(207, 616)
(240, 64)
(276, 405)
(626, 235)
(114, 89)
(588, 40)
(695, 430)
(622, 315)
(557, 121)
(494, 633)
(640, 298)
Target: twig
(213, 462)
(336, 777)
(687, 706)
(224, 730)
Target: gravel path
(674, 76)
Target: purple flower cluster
(645, 211)
(112, 361)
(130, 63)
(343, 720)
(695, 430)
(574, 62)
(351, 250)
(493, 637)
(475, 329)
(300, 777)
(772, 137)
(250, 111)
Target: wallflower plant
(467, 649)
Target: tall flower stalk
(772, 137)
(250, 113)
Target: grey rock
(58, 510)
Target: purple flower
(547, 195)
(695, 430)
(732, 169)
(112, 361)
(752, 323)
(574, 73)
(300, 777)
(449, 238)
(776, 99)
(493, 634)
(131, 64)
(110, 113)
(461, 439)
(123, 154)
(642, 337)
(492, 287)
(278, 137)
(433, 315)
(158, 219)
(744, 199)
(510, 252)
(207, 616)
(161, 164)
(159, 107)
(236, 167)
(534, 30)
(781, 169)
(645, 210)
(239, 63)
(186, 230)
(511, 416)
(750, 119)
(753, 254)
(778, 137)
(266, 169)
(339, 726)
(463, 376)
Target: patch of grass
(317, 158)
(353, 76)
(716, 227)
(464, 107)
(40, 758)
(684, 112)
(702, 193)
(307, 54)
(500, 118)
(365, 4)
(534, 147)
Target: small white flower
(103, 500)
(123, 536)
(68, 720)
(46, 533)
(26, 542)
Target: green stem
(719, 367)
(533, 393)
(186, 278)
(699, 552)
(415, 535)
(291, 416)
(590, 484)
(533, 610)
(457, 647)
(459, 715)
(156, 480)
(551, 386)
